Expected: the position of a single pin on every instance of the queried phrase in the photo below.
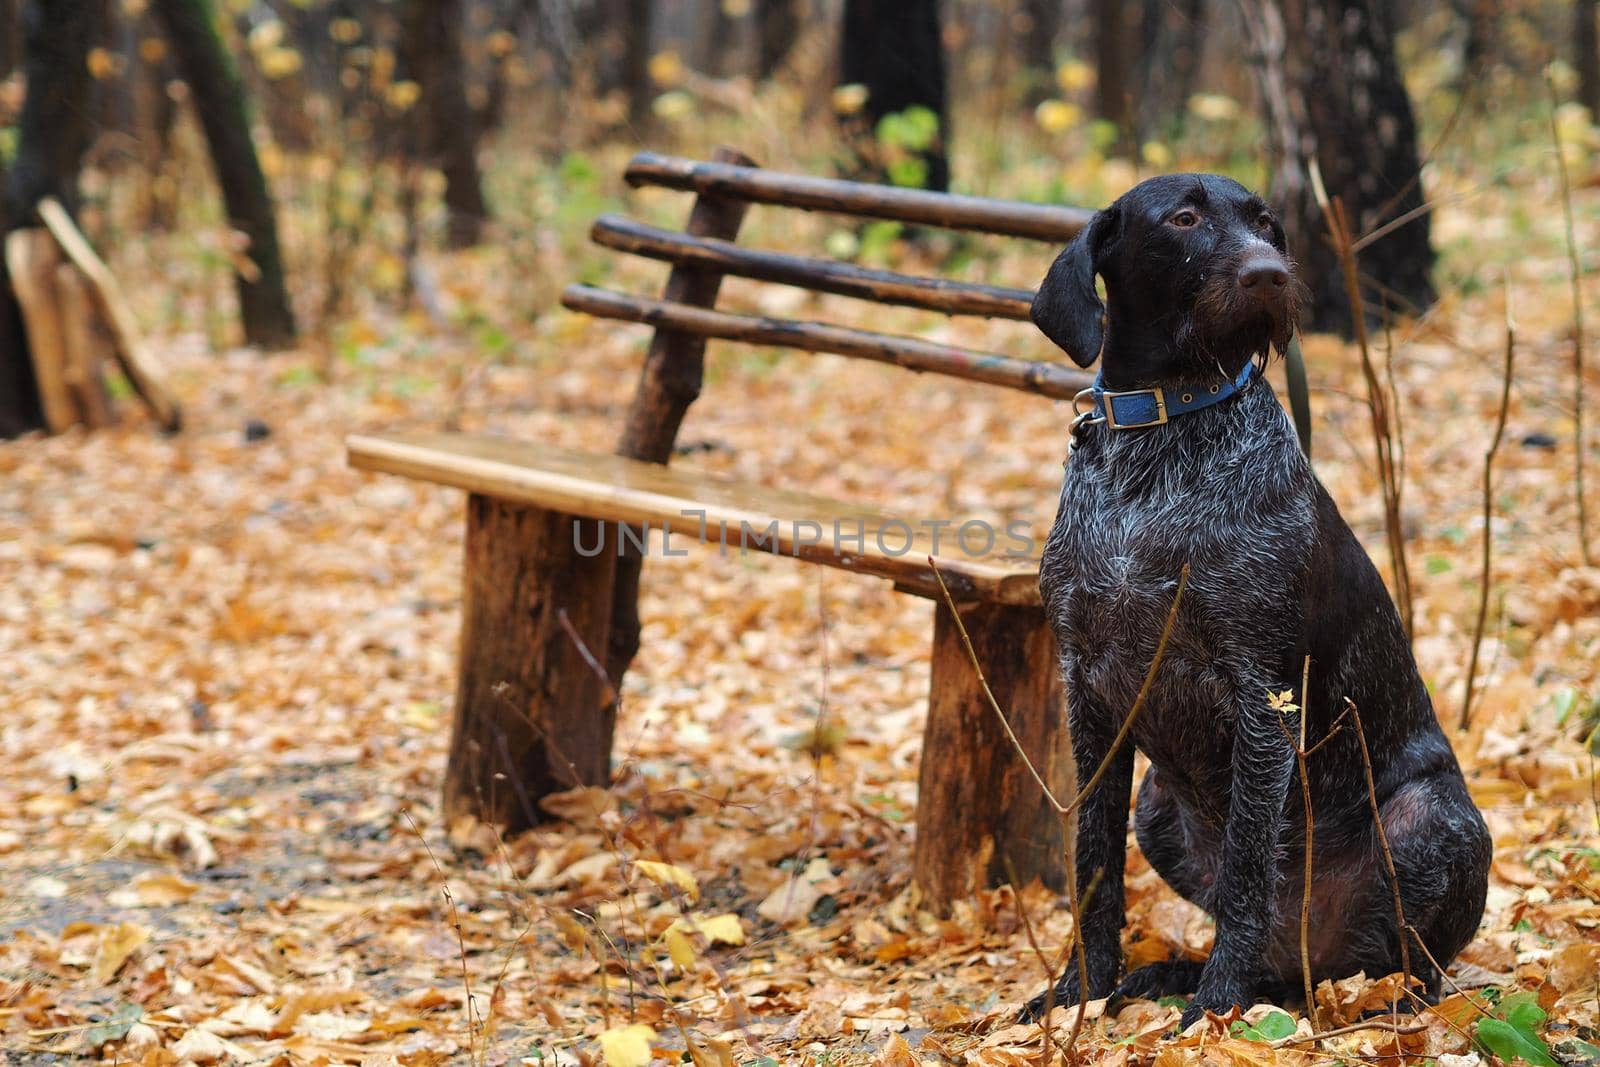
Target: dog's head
(1198, 281)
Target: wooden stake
(142, 369)
(31, 258)
(86, 349)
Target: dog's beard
(1228, 327)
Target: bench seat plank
(615, 489)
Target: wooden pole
(819, 275)
(724, 178)
(669, 383)
(138, 363)
(31, 259)
(912, 353)
(86, 348)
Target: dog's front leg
(1102, 855)
(1246, 892)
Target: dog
(1188, 458)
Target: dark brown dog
(1199, 287)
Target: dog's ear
(1066, 308)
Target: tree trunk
(982, 820)
(1037, 26)
(893, 48)
(777, 27)
(1481, 41)
(1332, 93)
(219, 100)
(430, 54)
(1585, 42)
(633, 22)
(668, 384)
(10, 37)
(1113, 100)
(717, 41)
(532, 715)
(1173, 34)
(52, 134)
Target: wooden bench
(551, 580)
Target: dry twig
(1577, 331)
(1311, 832)
(1488, 511)
(1401, 927)
(1379, 402)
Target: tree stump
(534, 711)
(982, 820)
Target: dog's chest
(1126, 526)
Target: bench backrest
(685, 314)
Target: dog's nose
(1263, 277)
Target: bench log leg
(532, 715)
(980, 815)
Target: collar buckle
(1156, 396)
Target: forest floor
(229, 662)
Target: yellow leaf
(116, 944)
(280, 62)
(1156, 154)
(679, 947)
(1057, 116)
(627, 1046)
(725, 929)
(345, 31)
(266, 36)
(666, 69)
(501, 44)
(103, 64)
(403, 94)
(671, 876)
(848, 99)
(673, 106)
(1073, 75)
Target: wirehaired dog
(1187, 457)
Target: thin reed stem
(1488, 513)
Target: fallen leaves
(627, 1046)
(218, 830)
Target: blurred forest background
(230, 658)
(350, 137)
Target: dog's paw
(1065, 994)
(1156, 980)
(1217, 999)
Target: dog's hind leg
(1441, 852)
(1160, 827)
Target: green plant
(902, 135)
(1510, 1034)
(1273, 1026)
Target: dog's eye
(1184, 219)
(1264, 221)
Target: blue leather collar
(1138, 409)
